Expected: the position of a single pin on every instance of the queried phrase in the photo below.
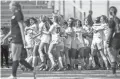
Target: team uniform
(16, 34)
(28, 38)
(87, 39)
(114, 42)
(79, 38)
(106, 32)
(35, 32)
(55, 32)
(68, 41)
(30, 44)
(62, 39)
(97, 42)
(45, 38)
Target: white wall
(68, 10)
(99, 8)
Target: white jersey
(44, 37)
(28, 37)
(87, 40)
(106, 30)
(55, 32)
(34, 28)
(99, 34)
(78, 35)
(35, 32)
(87, 28)
(69, 38)
(79, 32)
(29, 40)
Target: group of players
(61, 44)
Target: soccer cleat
(60, 69)
(53, 68)
(12, 77)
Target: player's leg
(101, 50)
(42, 57)
(16, 52)
(59, 56)
(34, 62)
(51, 57)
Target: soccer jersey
(87, 40)
(29, 40)
(87, 28)
(34, 28)
(55, 32)
(44, 37)
(79, 32)
(28, 37)
(98, 34)
(34, 33)
(78, 36)
(106, 30)
(15, 29)
(68, 40)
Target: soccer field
(81, 74)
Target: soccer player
(68, 42)
(105, 28)
(45, 39)
(17, 32)
(113, 37)
(97, 43)
(55, 40)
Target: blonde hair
(16, 4)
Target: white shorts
(97, 44)
(45, 38)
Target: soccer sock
(68, 65)
(51, 58)
(96, 61)
(90, 61)
(60, 62)
(113, 65)
(34, 62)
(14, 67)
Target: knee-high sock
(60, 62)
(96, 60)
(72, 62)
(90, 61)
(113, 65)
(34, 63)
(14, 67)
(51, 58)
(26, 64)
